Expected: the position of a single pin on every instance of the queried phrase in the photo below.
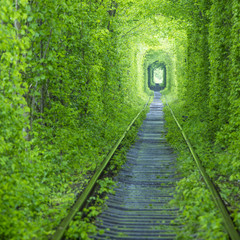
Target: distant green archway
(157, 76)
(158, 70)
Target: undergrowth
(83, 225)
(198, 215)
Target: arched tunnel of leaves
(152, 84)
(159, 59)
(74, 73)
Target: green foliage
(73, 75)
(65, 97)
(208, 102)
(83, 223)
(219, 42)
(198, 213)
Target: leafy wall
(207, 107)
(68, 90)
(73, 75)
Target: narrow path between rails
(139, 208)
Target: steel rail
(229, 225)
(84, 196)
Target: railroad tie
(139, 208)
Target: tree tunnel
(157, 76)
(158, 70)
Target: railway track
(139, 208)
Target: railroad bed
(139, 208)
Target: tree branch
(131, 30)
(45, 52)
(17, 24)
